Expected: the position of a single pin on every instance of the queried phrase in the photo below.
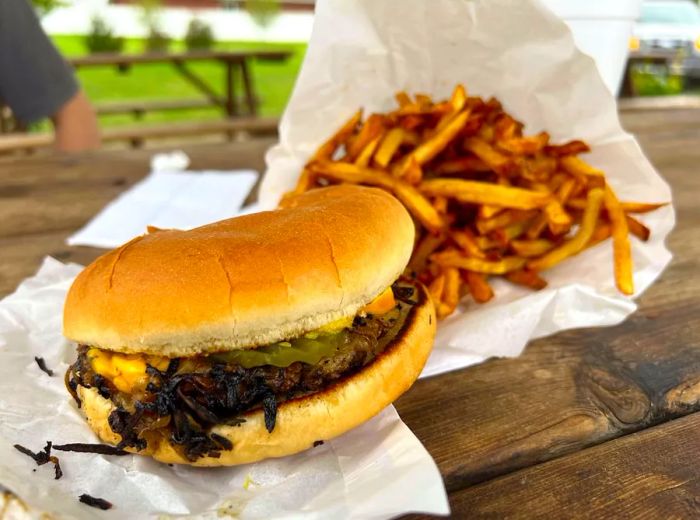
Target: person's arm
(76, 125)
(36, 82)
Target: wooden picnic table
(236, 63)
(239, 98)
(597, 423)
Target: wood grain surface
(607, 399)
(651, 475)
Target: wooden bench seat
(137, 134)
(139, 107)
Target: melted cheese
(381, 304)
(127, 372)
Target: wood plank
(103, 59)
(147, 105)
(252, 125)
(651, 474)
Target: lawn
(273, 81)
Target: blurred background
(150, 68)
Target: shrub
(157, 41)
(101, 37)
(199, 35)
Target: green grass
(656, 81)
(273, 82)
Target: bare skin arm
(76, 125)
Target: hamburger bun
(243, 282)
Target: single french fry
(622, 251)
(641, 207)
(440, 204)
(497, 161)
(425, 247)
(348, 172)
(437, 287)
(479, 288)
(402, 98)
(371, 129)
(453, 258)
(433, 146)
(366, 154)
(558, 220)
(442, 310)
(576, 203)
(388, 147)
(505, 128)
(467, 242)
(524, 145)
(328, 149)
(504, 219)
(459, 98)
(580, 168)
(468, 164)
(413, 173)
(476, 192)
(570, 148)
(537, 226)
(423, 100)
(419, 207)
(603, 231)
(508, 233)
(414, 201)
(450, 295)
(531, 248)
(485, 242)
(411, 122)
(579, 241)
(527, 278)
(488, 211)
(565, 190)
(486, 133)
(305, 181)
(637, 228)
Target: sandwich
(254, 337)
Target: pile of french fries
(487, 200)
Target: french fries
(487, 199)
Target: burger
(253, 337)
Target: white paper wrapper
(167, 198)
(363, 51)
(377, 470)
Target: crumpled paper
(377, 470)
(363, 51)
(167, 198)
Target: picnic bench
(237, 76)
(239, 100)
(593, 423)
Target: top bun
(246, 281)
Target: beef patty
(192, 395)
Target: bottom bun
(303, 421)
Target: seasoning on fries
(487, 200)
